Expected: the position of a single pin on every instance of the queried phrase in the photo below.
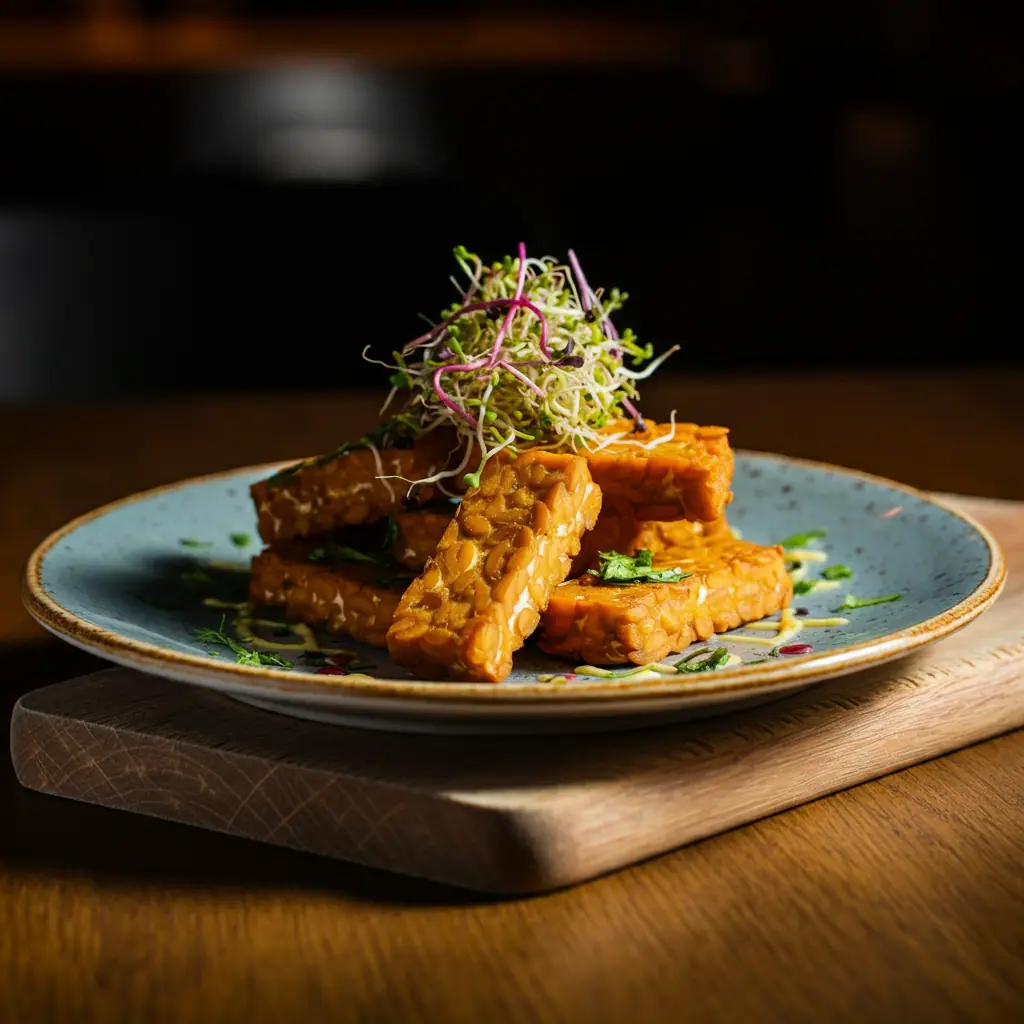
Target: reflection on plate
(128, 582)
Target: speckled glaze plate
(111, 583)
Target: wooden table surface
(902, 899)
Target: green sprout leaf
(191, 542)
(241, 540)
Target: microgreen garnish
(837, 572)
(390, 532)
(799, 540)
(343, 553)
(527, 356)
(618, 569)
(191, 542)
(804, 587)
(715, 660)
(852, 602)
(315, 658)
(241, 540)
(243, 656)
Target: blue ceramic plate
(128, 582)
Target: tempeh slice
(618, 529)
(345, 490)
(687, 476)
(510, 544)
(732, 582)
(349, 598)
(417, 535)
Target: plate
(120, 583)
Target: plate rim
(194, 668)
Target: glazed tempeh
(686, 477)
(417, 535)
(732, 582)
(510, 544)
(618, 530)
(345, 490)
(349, 598)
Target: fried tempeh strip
(417, 535)
(732, 582)
(345, 490)
(619, 530)
(510, 544)
(349, 598)
(686, 477)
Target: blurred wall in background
(241, 195)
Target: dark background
(240, 195)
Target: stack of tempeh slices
(453, 590)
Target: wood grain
(517, 815)
(898, 900)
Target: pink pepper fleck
(796, 649)
(331, 670)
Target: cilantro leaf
(715, 660)
(191, 542)
(241, 540)
(837, 572)
(852, 602)
(799, 540)
(804, 587)
(618, 569)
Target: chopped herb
(317, 658)
(804, 586)
(837, 572)
(343, 553)
(191, 542)
(618, 569)
(390, 532)
(799, 540)
(717, 659)
(852, 602)
(241, 540)
(694, 654)
(243, 656)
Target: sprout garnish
(529, 357)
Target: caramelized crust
(345, 490)
(732, 582)
(687, 477)
(510, 544)
(348, 598)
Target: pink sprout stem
(440, 392)
(632, 410)
(520, 376)
(587, 296)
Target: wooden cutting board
(519, 814)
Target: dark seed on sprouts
(639, 426)
(496, 313)
(803, 611)
(589, 316)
